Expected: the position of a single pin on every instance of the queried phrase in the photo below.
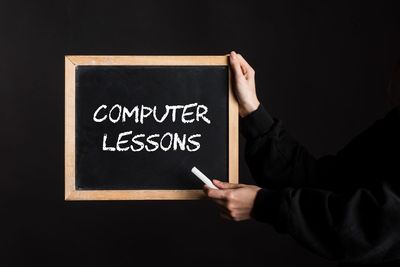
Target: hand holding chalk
(203, 178)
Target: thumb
(223, 185)
(235, 65)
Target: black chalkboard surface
(140, 128)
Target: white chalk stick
(203, 178)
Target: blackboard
(136, 125)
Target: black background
(151, 86)
(321, 66)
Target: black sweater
(344, 207)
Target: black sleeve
(361, 226)
(275, 159)
(344, 207)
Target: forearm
(275, 159)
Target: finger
(247, 69)
(244, 70)
(224, 185)
(205, 189)
(235, 64)
(215, 193)
(223, 210)
(225, 216)
(221, 204)
(244, 63)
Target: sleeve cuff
(273, 207)
(266, 205)
(256, 123)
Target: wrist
(246, 109)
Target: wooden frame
(72, 61)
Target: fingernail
(233, 54)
